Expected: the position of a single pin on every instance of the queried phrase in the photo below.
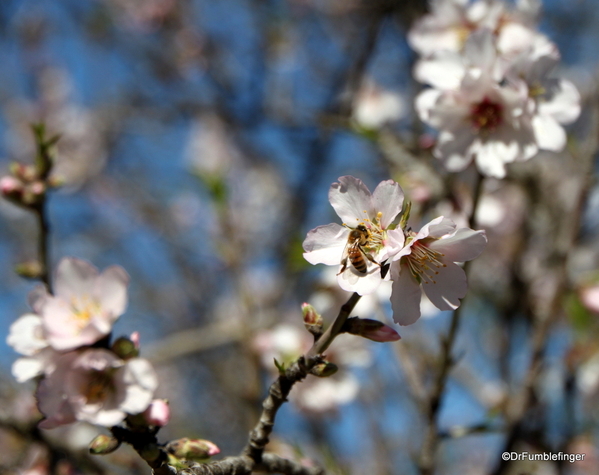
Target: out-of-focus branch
(548, 311)
(446, 361)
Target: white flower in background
(374, 106)
(85, 304)
(479, 118)
(451, 22)
(551, 101)
(365, 240)
(95, 386)
(428, 262)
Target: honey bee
(354, 250)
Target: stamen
(423, 263)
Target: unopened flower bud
(371, 329)
(33, 193)
(135, 339)
(29, 269)
(158, 413)
(124, 348)
(312, 319)
(103, 444)
(324, 370)
(192, 449)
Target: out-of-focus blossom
(428, 261)
(158, 413)
(80, 153)
(85, 304)
(365, 240)
(552, 101)
(479, 117)
(590, 298)
(95, 386)
(451, 22)
(374, 107)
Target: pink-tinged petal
(405, 296)
(464, 245)
(449, 287)
(74, 278)
(111, 290)
(388, 200)
(158, 413)
(394, 243)
(564, 106)
(438, 227)
(50, 396)
(352, 281)
(351, 200)
(325, 244)
(550, 135)
(64, 330)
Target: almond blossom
(85, 304)
(428, 262)
(480, 116)
(96, 386)
(368, 215)
(451, 22)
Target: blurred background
(198, 142)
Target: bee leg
(344, 266)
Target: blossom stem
(446, 361)
(43, 247)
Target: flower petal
(436, 228)
(74, 278)
(464, 245)
(405, 296)
(364, 284)
(325, 244)
(388, 200)
(111, 290)
(550, 135)
(449, 287)
(351, 200)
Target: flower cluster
(64, 343)
(369, 240)
(493, 98)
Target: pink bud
(10, 185)
(37, 188)
(135, 339)
(212, 448)
(590, 298)
(382, 334)
(158, 413)
(371, 329)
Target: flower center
(423, 262)
(376, 234)
(486, 115)
(99, 386)
(84, 308)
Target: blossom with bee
(428, 261)
(365, 240)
